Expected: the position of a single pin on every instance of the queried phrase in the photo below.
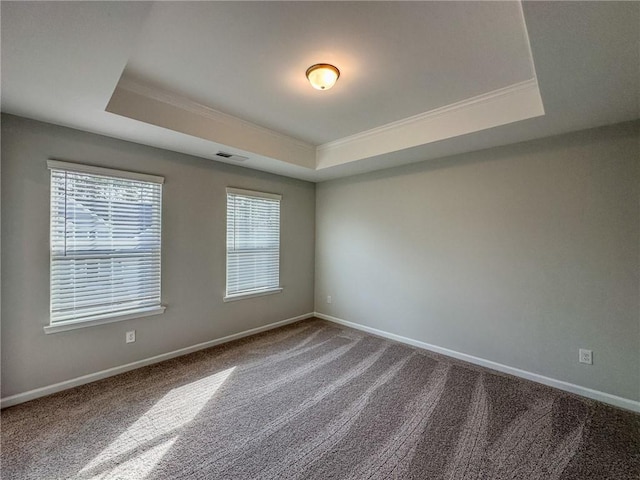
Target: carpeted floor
(317, 401)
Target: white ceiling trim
(513, 103)
(189, 105)
(236, 136)
(42, 43)
(149, 104)
(431, 114)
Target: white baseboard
(92, 377)
(621, 402)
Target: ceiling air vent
(231, 156)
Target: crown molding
(510, 104)
(266, 150)
(150, 104)
(186, 104)
(430, 115)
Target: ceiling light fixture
(322, 76)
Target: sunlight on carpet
(140, 465)
(313, 401)
(146, 441)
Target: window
(253, 243)
(105, 245)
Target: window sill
(103, 319)
(242, 296)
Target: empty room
(320, 240)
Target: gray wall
(193, 264)
(519, 254)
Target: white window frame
(258, 292)
(106, 317)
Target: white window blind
(253, 242)
(105, 243)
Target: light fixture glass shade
(322, 76)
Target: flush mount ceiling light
(322, 76)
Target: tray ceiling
(418, 79)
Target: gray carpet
(317, 401)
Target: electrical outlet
(329, 299)
(586, 356)
(130, 337)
